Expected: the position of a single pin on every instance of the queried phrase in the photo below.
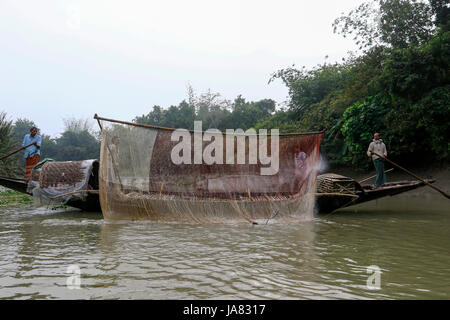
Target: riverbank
(9, 198)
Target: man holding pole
(33, 152)
(376, 148)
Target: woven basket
(334, 183)
(66, 173)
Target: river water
(406, 240)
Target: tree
(49, 148)
(246, 115)
(22, 127)
(391, 23)
(307, 87)
(9, 166)
(360, 121)
(77, 145)
(154, 117)
(79, 125)
(282, 120)
(441, 12)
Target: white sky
(74, 58)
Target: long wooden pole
(73, 192)
(364, 180)
(14, 152)
(193, 131)
(413, 175)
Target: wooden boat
(61, 183)
(334, 192)
(142, 181)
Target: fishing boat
(155, 173)
(336, 191)
(333, 191)
(143, 182)
(70, 183)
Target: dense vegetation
(213, 111)
(398, 86)
(8, 166)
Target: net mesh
(141, 178)
(57, 182)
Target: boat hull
(331, 203)
(90, 204)
(159, 209)
(169, 208)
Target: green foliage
(422, 128)
(9, 166)
(213, 111)
(416, 80)
(432, 112)
(282, 120)
(307, 87)
(405, 22)
(410, 107)
(73, 145)
(441, 12)
(398, 87)
(22, 127)
(359, 122)
(392, 23)
(410, 73)
(14, 198)
(78, 125)
(49, 148)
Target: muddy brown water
(406, 239)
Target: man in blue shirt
(33, 152)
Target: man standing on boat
(378, 146)
(32, 153)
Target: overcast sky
(74, 58)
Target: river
(405, 240)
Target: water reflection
(324, 258)
(210, 261)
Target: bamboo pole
(14, 152)
(371, 177)
(413, 175)
(333, 194)
(193, 131)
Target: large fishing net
(162, 174)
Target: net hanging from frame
(163, 174)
